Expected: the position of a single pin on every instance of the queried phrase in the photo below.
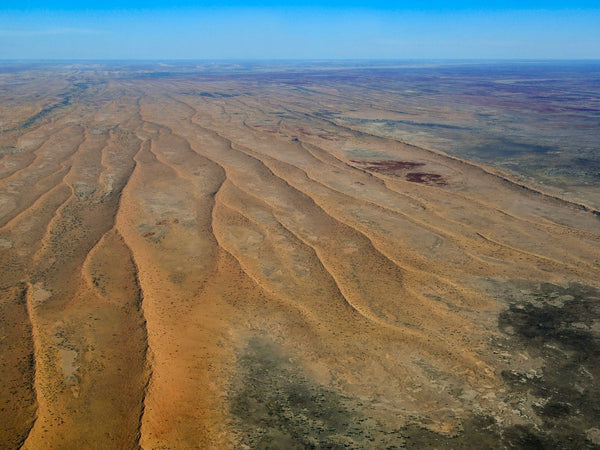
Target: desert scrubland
(227, 260)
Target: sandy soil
(193, 262)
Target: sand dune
(218, 264)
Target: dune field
(220, 261)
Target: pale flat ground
(217, 262)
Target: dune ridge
(166, 254)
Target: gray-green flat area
(537, 121)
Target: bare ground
(215, 264)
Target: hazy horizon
(395, 61)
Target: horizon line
(287, 59)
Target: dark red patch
(426, 178)
(304, 131)
(388, 165)
(167, 221)
(327, 137)
(148, 234)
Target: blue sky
(298, 29)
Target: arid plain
(225, 257)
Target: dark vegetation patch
(217, 95)
(503, 147)
(478, 432)
(393, 124)
(65, 100)
(586, 169)
(8, 150)
(212, 94)
(43, 113)
(559, 403)
(276, 405)
(561, 325)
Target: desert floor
(226, 260)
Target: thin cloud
(48, 32)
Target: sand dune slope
(227, 270)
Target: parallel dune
(217, 264)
